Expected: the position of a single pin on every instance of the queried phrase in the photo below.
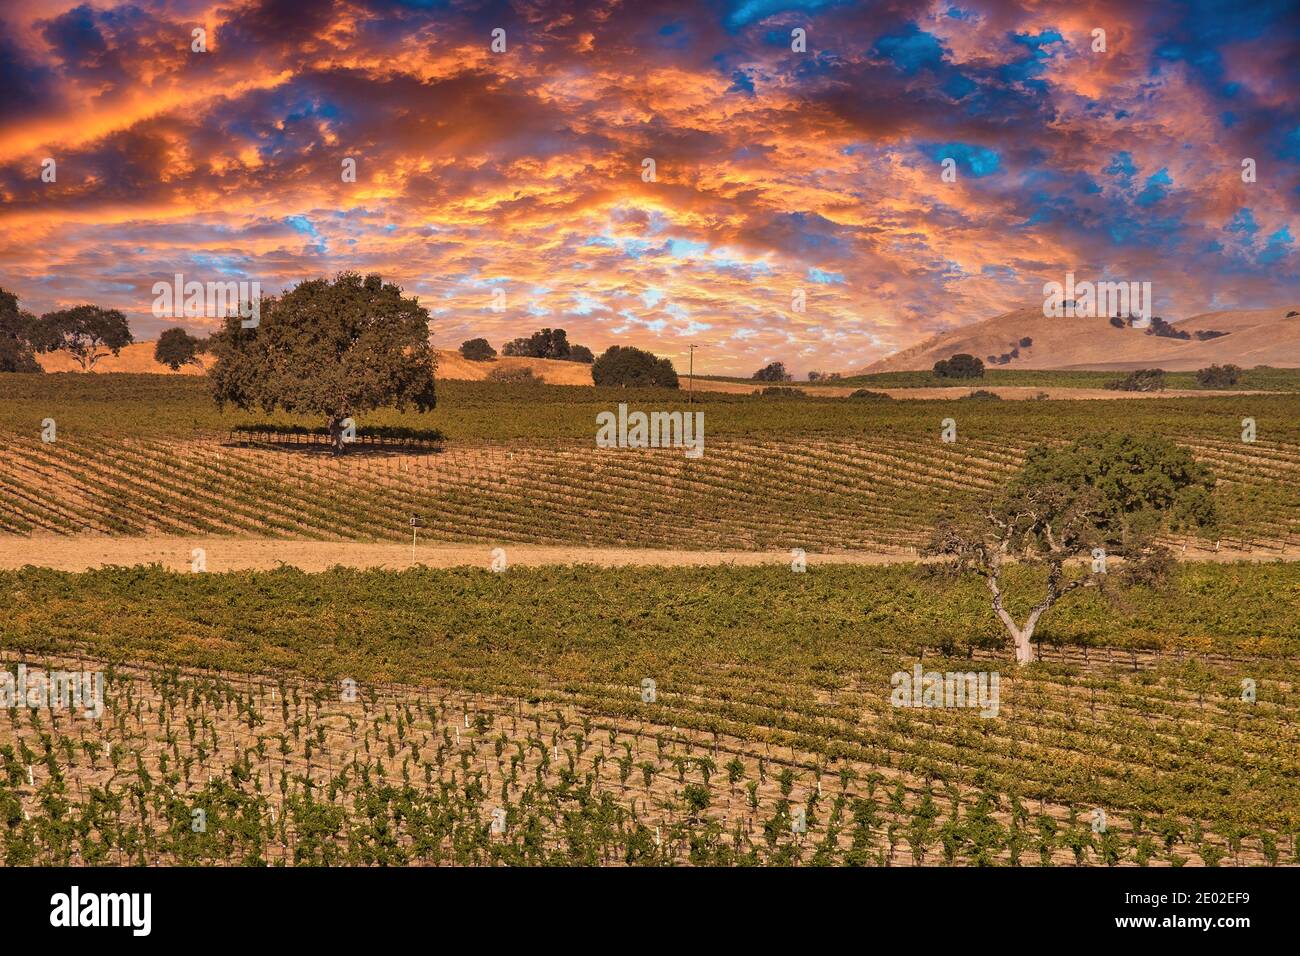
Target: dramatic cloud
(776, 170)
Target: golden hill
(138, 357)
(1255, 337)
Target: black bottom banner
(338, 906)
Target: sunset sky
(776, 170)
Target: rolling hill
(138, 357)
(1254, 337)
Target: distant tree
(1218, 376)
(1163, 329)
(86, 332)
(774, 372)
(1026, 342)
(332, 348)
(477, 350)
(546, 343)
(627, 366)
(778, 391)
(1142, 380)
(176, 347)
(1097, 498)
(17, 329)
(960, 365)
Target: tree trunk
(1024, 645)
(1022, 637)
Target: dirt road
(80, 553)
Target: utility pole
(690, 399)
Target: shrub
(1142, 380)
(1218, 376)
(1026, 342)
(960, 365)
(627, 366)
(983, 394)
(477, 350)
(514, 376)
(867, 393)
(777, 391)
(1118, 322)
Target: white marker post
(415, 523)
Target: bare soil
(85, 552)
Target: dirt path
(79, 553)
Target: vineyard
(832, 494)
(771, 737)
(142, 457)
(503, 718)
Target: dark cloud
(772, 166)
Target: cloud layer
(776, 170)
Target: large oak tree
(86, 332)
(1098, 498)
(17, 331)
(626, 366)
(331, 348)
